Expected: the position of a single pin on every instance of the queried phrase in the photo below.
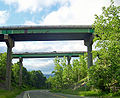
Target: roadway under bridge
(11, 34)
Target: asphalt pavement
(45, 94)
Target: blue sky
(48, 12)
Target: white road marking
(25, 95)
(28, 95)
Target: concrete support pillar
(90, 61)
(20, 73)
(88, 42)
(68, 59)
(10, 45)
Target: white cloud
(3, 17)
(9, 1)
(69, 46)
(2, 44)
(83, 6)
(3, 47)
(79, 12)
(75, 12)
(27, 22)
(46, 65)
(34, 5)
(38, 63)
(49, 46)
(30, 47)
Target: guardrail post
(10, 44)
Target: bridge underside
(47, 37)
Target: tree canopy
(105, 73)
(31, 79)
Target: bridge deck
(47, 54)
(47, 33)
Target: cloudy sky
(48, 12)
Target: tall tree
(15, 74)
(3, 57)
(37, 79)
(80, 68)
(67, 73)
(58, 71)
(107, 38)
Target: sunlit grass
(80, 93)
(94, 93)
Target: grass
(79, 92)
(10, 94)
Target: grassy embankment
(10, 94)
(94, 93)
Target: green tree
(107, 38)
(58, 72)
(3, 57)
(67, 73)
(107, 34)
(80, 68)
(37, 79)
(62, 73)
(76, 70)
(15, 74)
(25, 77)
(49, 83)
(29, 79)
(34, 79)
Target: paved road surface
(46, 94)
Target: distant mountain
(48, 75)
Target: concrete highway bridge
(11, 34)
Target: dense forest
(104, 75)
(30, 79)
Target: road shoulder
(21, 95)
